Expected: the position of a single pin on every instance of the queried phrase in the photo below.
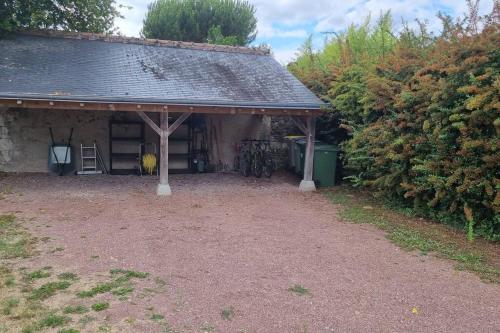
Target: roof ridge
(146, 41)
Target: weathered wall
(25, 139)
(225, 131)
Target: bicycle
(255, 158)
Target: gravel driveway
(233, 246)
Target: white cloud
(131, 24)
(285, 55)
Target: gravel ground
(223, 242)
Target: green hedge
(424, 122)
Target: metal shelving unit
(125, 137)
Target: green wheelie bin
(325, 163)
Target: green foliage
(68, 330)
(68, 276)
(229, 22)
(298, 289)
(70, 15)
(48, 290)
(38, 274)
(79, 309)
(421, 114)
(157, 317)
(8, 305)
(54, 320)
(15, 241)
(118, 285)
(100, 306)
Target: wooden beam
(150, 107)
(150, 122)
(163, 186)
(298, 122)
(178, 122)
(309, 158)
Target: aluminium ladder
(91, 160)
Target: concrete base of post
(307, 186)
(163, 190)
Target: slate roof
(88, 67)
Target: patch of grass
(39, 274)
(159, 282)
(9, 281)
(338, 198)
(118, 285)
(414, 235)
(68, 330)
(227, 313)
(78, 309)
(100, 288)
(298, 289)
(8, 305)
(100, 306)
(54, 320)
(123, 291)
(15, 241)
(104, 328)
(48, 290)
(86, 320)
(129, 274)
(68, 276)
(157, 317)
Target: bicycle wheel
(268, 169)
(245, 167)
(257, 165)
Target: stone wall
(25, 139)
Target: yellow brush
(149, 163)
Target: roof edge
(203, 103)
(145, 41)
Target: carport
(102, 73)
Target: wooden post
(163, 186)
(307, 184)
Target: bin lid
(294, 137)
(326, 147)
(304, 141)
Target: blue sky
(285, 24)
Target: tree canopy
(230, 22)
(70, 15)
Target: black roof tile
(97, 70)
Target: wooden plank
(178, 122)
(309, 158)
(299, 123)
(164, 148)
(149, 121)
(150, 107)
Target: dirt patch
(228, 254)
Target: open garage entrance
(185, 103)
